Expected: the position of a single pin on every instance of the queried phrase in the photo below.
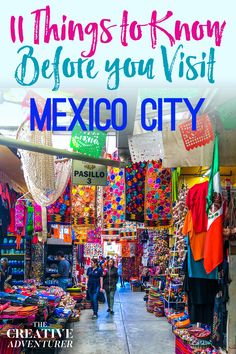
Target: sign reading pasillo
(85, 173)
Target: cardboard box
(136, 288)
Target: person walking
(110, 280)
(120, 273)
(94, 285)
(5, 274)
(63, 271)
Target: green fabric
(110, 298)
(214, 170)
(175, 184)
(227, 114)
(88, 142)
(30, 220)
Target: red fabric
(11, 227)
(196, 202)
(213, 254)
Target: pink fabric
(19, 215)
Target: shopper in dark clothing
(63, 271)
(94, 285)
(5, 274)
(109, 282)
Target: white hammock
(45, 177)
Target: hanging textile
(135, 190)
(114, 199)
(89, 142)
(38, 227)
(45, 177)
(94, 236)
(125, 249)
(92, 250)
(213, 253)
(175, 184)
(30, 220)
(79, 235)
(83, 205)
(20, 214)
(200, 155)
(59, 211)
(201, 136)
(157, 195)
(99, 207)
(146, 147)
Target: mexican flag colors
(213, 253)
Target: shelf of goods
(51, 262)
(16, 257)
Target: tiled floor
(132, 330)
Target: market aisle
(132, 330)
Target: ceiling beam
(48, 150)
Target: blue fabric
(93, 294)
(196, 268)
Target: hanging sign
(85, 173)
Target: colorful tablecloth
(157, 195)
(83, 205)
(135, 190)
(114, 198)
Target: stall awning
(11, 171)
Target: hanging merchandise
(99, 206)
(92, 250)
(20, 215)
(30, 220)
(88, 142)
(114, 199)
(196, 202)
(83, 206)
(203, 135)
(125, 249)
(38, 227)
(146, 147)
(135, 191)
(180, 210)
(157, 195)
(94, 236)
(175, 173)
(213, 253)
(161, 249)
(80, 236)
(200, 152)
(59, 211)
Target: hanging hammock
(46, 177)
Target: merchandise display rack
(16, 258)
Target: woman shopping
(94, 285)
(110, 280)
